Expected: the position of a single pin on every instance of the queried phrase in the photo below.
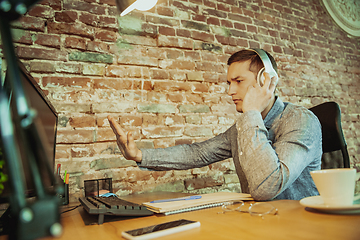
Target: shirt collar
(275, 111)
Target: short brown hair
(256, 63)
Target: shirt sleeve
(270, 167)
(188, 156)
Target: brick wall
(162, 74)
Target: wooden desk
(292, 222)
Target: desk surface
(292, 222)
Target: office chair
(329, 115)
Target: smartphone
(160, 230)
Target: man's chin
(239, 110)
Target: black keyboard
(112, 206)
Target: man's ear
(260, 77)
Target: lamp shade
(126, 6)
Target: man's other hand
(258, 98)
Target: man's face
(239, 78)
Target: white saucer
(317, 203)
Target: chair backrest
(329, 115)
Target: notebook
(206, 201)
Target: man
(274, 145)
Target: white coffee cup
(336, 186)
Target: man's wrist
(138, 157)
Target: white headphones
(268, 67)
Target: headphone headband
(267, 62)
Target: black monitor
(48, 118)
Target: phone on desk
(160, 230)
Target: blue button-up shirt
(273, 156)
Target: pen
(67, 178)
(177, 199)
(58, 169)
(65, 175)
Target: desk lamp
(41, 217)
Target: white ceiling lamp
(126, 6)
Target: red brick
(105, 35)
(112, 84)
(223, 7)
(192, 55)
(75, 136)
(121, 71)
(42, 67)
(277, 49)
(240, 18)
(168, 41)
(166, 11)
(138, 175)
(105, 21)
(104, 134)
(200, 18)
(237, 10)
(95, 46)
(159, 74)
(55, 4)
(172, 86)
(75, 42)
(187, 8)
(62, 151)
(159, 132)
(208, 56)
(66, 16)
(82, 122)
(149, 120)
(64, 67)
(176, 64)
(137, 60)
(166, 31)
(213, 21)
(183, 33)
(30, 23)
(48, 40)
(226, 23)
(209, 66)
(75, 29)
(176, 97)
(67, 81)
(130, 121)
(211, 77)
(206, 37)
(200, 87)
(209, 3)
(194, 98)
(239, 26)
(84, 6)
(89, 19)
(223, 40)
(82, 151)
(143, 85)
(38, 53)
(41, 11)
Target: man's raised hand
(125, 142)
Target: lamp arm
(44, 211)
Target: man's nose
(231, 89)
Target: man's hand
(125, 142)
(258, 98)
